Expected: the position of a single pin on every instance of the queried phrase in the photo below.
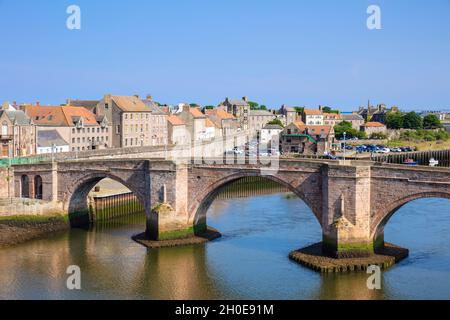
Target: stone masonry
(352, 202)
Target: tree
(299, 109)
(262, 107)
(329, 110)
(394, 120)
(276, 122)
(412, 121)
(253, 105)
(431, 121)
(346, 127)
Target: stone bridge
(352, 202)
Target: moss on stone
(36, 218)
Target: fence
(421, 157)
(19, 161)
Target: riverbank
(18, 229)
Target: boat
(410, 162)
(434, 162)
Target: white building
(51, 139)
(270, 135)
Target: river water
(249, 262)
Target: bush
(378, 136)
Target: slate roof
(48, 138)
(17, 116)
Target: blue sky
(294, 52)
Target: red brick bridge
(351, 201)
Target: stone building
(240, 109)
(258, 119)
(313, 117)
(226, 123)
(298, 138)
(177, 132)
(134, 122)
(376, 114)
(76, 125)
(18, 134)
(290, 114)
(373, 127)
(195, 122)
(331, 119)
(355, 119)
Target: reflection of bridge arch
(392, 208)
(76, 198)
(204, 200)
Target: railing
(20, 161)
(421, 157)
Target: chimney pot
(245, 99)
(149, 97)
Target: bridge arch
(383, 217)
(204, 200)
(76, 198)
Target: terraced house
(75, 125)
(18, 134)
(134, 122)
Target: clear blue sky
(294, 52)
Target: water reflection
(249, 262)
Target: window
(118, 129)
(4, 128)
(106, 106)
(78, 140)
(73, 140)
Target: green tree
(346, 127)
(394, 120)
(253, 105)
(412, 121)
(299, 109)
(329, 110)
(431, 121)
(276, 122)
(262, 107)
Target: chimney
(68, 102)
(5, 105)
(245, 99)
(136, 96)
(186, 107)
(320, 108)
(149, 97)
(14, 104)
(38, 103)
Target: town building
(313, 117)
(376, 114)
(75, 125)
(270, 135)
(355, 119)
(373, 127)
(258, 119)
(298, 138)
(332, 119)
(134, 123)
(177, 131)
(240, 109)
(18, 134)
(226, 123)
(50, 141)
(290, 114)
(195, 122)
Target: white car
(384, 150)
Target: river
(250, 261)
